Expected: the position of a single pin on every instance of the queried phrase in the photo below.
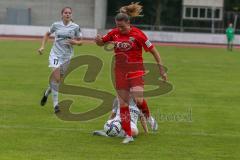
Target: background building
(87, 13)
(182, 15)
(202, 16)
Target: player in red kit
(129, 69)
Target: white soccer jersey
(61, 48)
(134, 111)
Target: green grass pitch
(207, 81)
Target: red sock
(125, 118)
(144, 108)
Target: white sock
(54, 88)
(121, 134)
(48, 91)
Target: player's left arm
(157, 58)
(75, 41)
(149, 47)
(143, 123)
(78, 37)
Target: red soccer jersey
(130, 44)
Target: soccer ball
(112, 127)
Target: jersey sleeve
(108, 37)
(78, 32)
(115, 105)
(145, 42)
(52, 29)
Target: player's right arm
(46, 37)
(44, 41)
(101, 40)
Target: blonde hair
(132, 10)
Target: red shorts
(128, 80)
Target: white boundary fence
(37, 31)
(201, 38)
(156, 36)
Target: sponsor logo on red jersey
(123, 46)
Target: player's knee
(134, 132)
(138, 100)
(55, 76)
(56, 80)
(123, 102)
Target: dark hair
(66, 8)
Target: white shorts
(57, 62)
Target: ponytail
(132, 10)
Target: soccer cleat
(44, 98)
(127, 139)
(56, 109)
(153, 123)
(100, 133)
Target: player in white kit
(135, 115)
(67, 34)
